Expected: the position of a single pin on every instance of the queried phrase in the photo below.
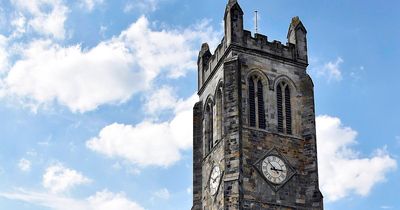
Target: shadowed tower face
(254, 126)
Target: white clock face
(274, 169)
(214, 180)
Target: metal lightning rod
(256, 21)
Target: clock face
(274, 169)
(214, 180)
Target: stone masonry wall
(197, 154)
(232, 123)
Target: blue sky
(96, 99)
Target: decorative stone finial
(231, 3)
(295, 21)
(204, 48)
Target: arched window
(284, 108)
(209, 127)
(219, 115)
(256, 103)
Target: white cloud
(4, 64)
(102, 31)
(2, 16)
(149, 143)
(24, 165)
(177, 55)
(47, 17)
(163, 194)
(103, 200)
(109, 73)
(19, 25)
(90, 4)
(141, 5)
(77, 79)
(58, 178)
(189, 190)
(32, 153)
(109, 201)
(342, 171)
(330, 70)
(161, 99)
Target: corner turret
(202, 62)
(233, 23)
(297, 35)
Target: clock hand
(273, 167)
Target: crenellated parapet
(240, 40)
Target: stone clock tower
(254, 126)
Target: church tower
(254, 127)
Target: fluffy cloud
(3, 54)
(109, 73)
(109, 201)
(330, 70)
(24, 165)
(149, 143)
(161, 99)
(18, 24)
(141, 5)
(103, 200)
(90, 4)
(342, 170)
(46, 17)
(58, 178)
(80, 80)
(162, 194)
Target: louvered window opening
(209, 127)
(219, 115)
(279, 108)
(252, 103)
(261, 108)
(288, 111)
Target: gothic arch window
(219, 114)
(284, 108)
(208, 125)
(256, 103)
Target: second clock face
(214, 180)
(274, 169)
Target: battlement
(238, 39)
(275, 48)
